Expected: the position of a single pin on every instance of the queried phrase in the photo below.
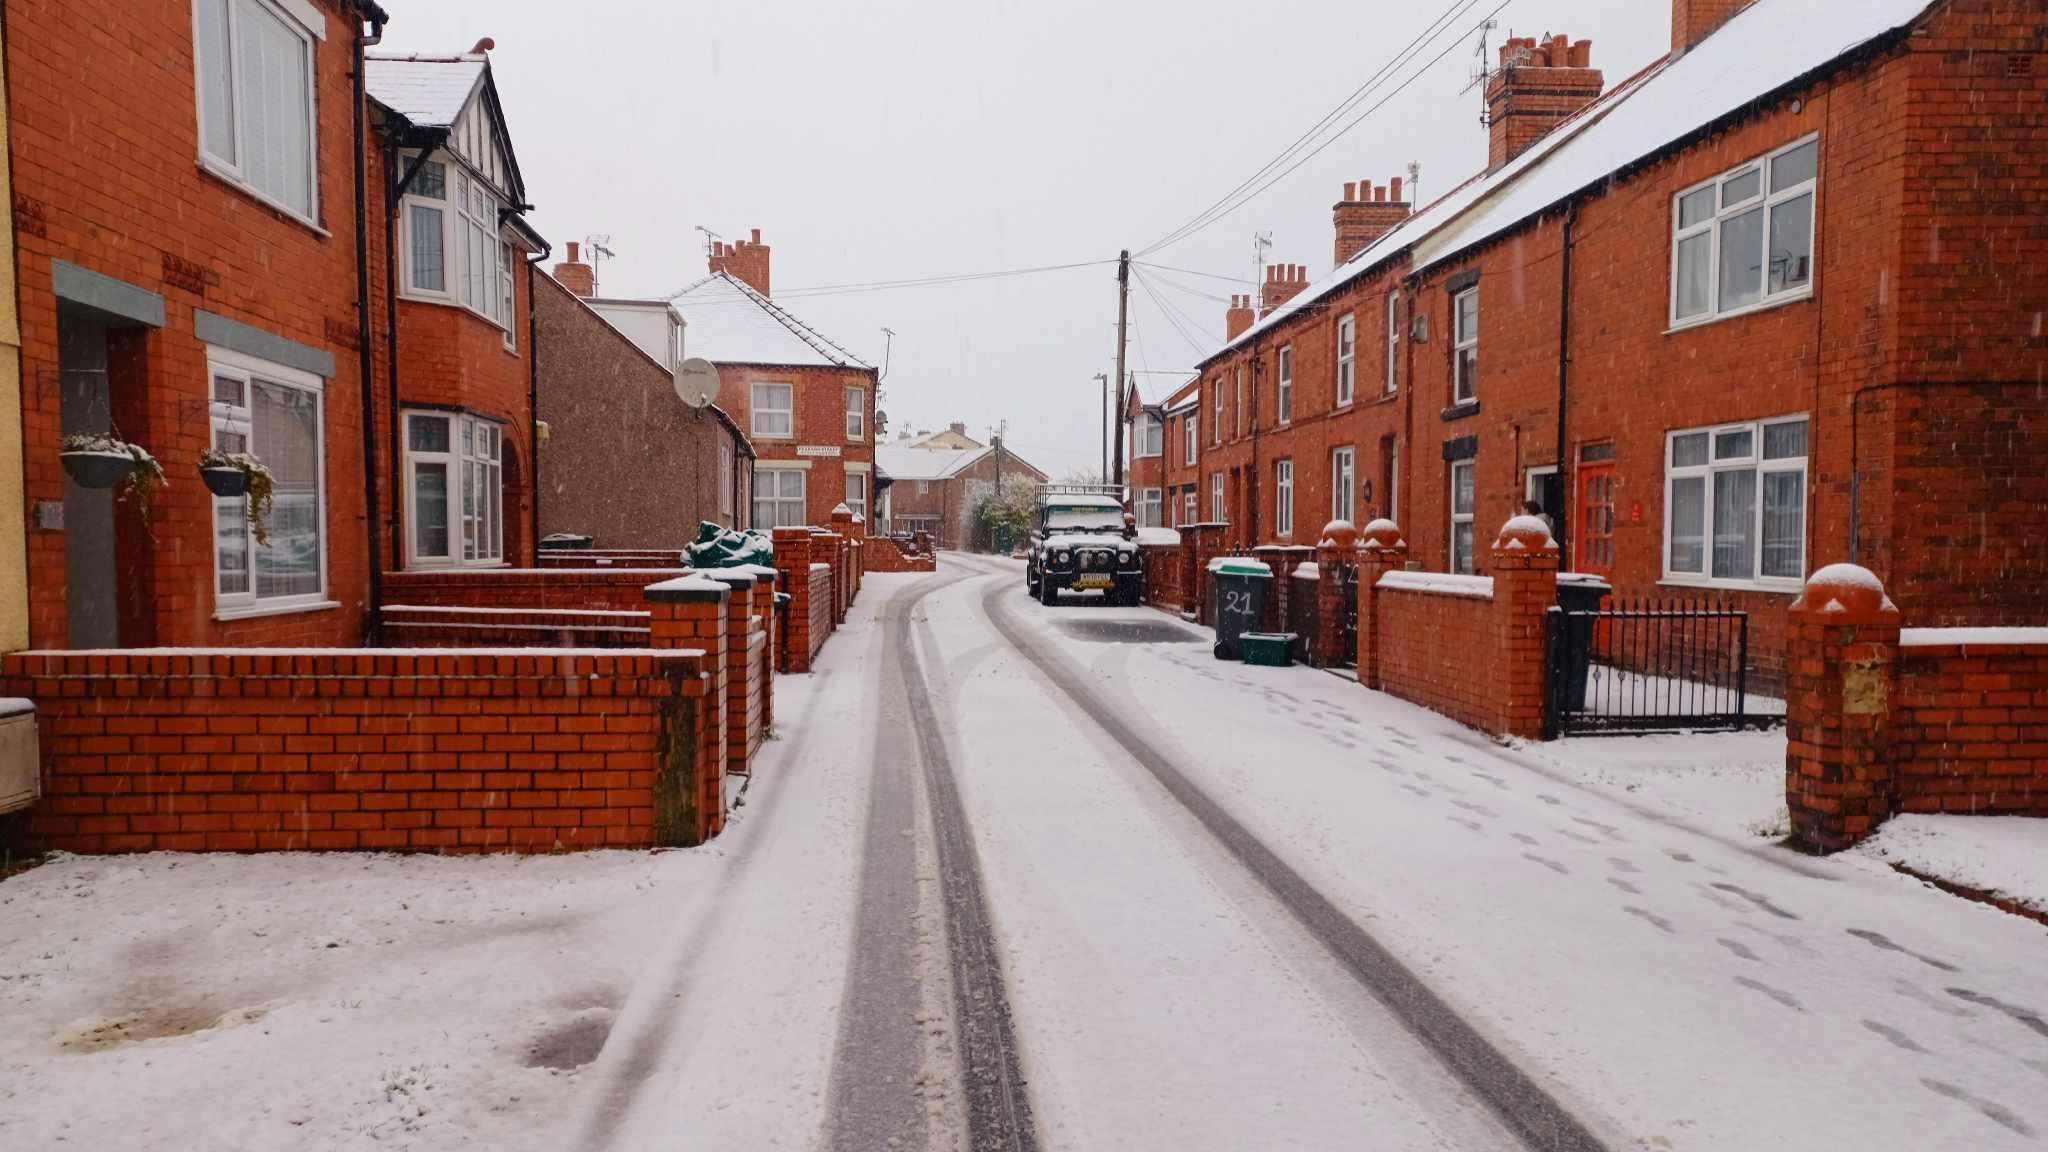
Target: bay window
(452, 251)
(779, 498)
(1347, 359)
(454, 490)
(253, 65)
(1735, 505)
(1744, 239)
(272, 413)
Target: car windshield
(1084, 519)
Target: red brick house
(936, 489)
(1165, 454)
(458, 368)
(1754, 310)
(807, 404)
(191, 275)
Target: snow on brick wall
(218, 750)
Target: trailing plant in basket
(257, 484)
(140, 474)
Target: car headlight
(1063, 556)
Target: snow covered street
(1023, 877)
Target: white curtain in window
(1735, 525)
(276, 107)
(287, 438)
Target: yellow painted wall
(13, 529)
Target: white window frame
(1216, 429)
(1347, 359)
(1150, 432)
(801, 499)
(445, 205)
(1283, 385)
(1753, 462)
(308, 25)
(1238, 374)
(756, 409)
(726, 475)
(1151, 508)
(924, 487)
(1466, 517)
(1465, 381)
(1283, 498)
(1344, 484)
(859, 504)
(239, 419)
(1191, 505)
(465, 468)
(1393, 343)
(1218, 512)
(1767, 202)
(1191, 437)
(495, 298)
(856, 414)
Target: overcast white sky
(895, 139)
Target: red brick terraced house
(1165, 451)
(191, 277)
(806, 403)
(1769, 304)
(936, 489)
(454, 407)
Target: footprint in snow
(1757, 898)
(1609, 830)
(1525, 838)
(1479, 809)
(1785, 998)
(1625, 886)
(1571, 835)
(1550, 800)
(1739, 948)
(1553, 865)
(1991, 1109)
(1895, 1036)
(1474, 825)
(1661, 923)
(1621, 865)
(1882, 942)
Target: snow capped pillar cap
(1845, 589)
(692, 589)
(1382, 533)
(1525, 534)
(1339, 534)
(841, 512)
(730, 577)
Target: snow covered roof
(430, 91)
(1768, 45)
(727, 322)
(909, 463)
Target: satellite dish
(696, 382)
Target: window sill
(772, 435)
(1798, 297)
(1706, 583)
(432, 565)
(261, 610)
(1460, 411)
(1383, 398)
(208, 168)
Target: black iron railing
(1646, 666)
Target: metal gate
(1645, 666)
(1347, 631)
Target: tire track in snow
(1532, 1114)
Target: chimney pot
(757, 235)
(1541, 84)
(572, 252)
(1395, 185)
(1379, 195)
(1350, 192)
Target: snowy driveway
(1021, 877)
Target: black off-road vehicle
(1083, 543)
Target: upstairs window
(1283, 497)
(1216, 508)
(451, 248)
(725, 476)
(1744, 239)
(1216, 424)
(1238, 375)
(254, 68)
(426, 219)
(1347, 359)
(1188, 438)
(1283, 391)
(774, 411)
(1343, 483)
(1393, 339)
(1465, 347)
(1151, 434)
(856, 414)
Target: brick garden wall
(1418, 630)
(1969, 726)
(894, 554)
(823, 594)
(269, 749)
(614, 589)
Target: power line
(1165, 310)
(912, 282)
(1219, 211)
(1192, 272)
(1169, 282)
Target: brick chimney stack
(1239, 317)
(1694, 20)
(1283, 283)
(1540, 84)
(1367, 213)
(747, 260)
(575, 275)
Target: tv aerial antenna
(1482, 74)
(599, 248)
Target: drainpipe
(533, 397)
(1251, 478)
(365, 365)
(1564, 371)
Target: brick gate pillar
(1336, 550)
(1841, 659)
(763, 607)
(793, 564)
(1524, 568)
(739, 611)
(1380, 550)
(690, 612)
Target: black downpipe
(1251, 479)
(365, 363)
(533, 398)
(1558, 515)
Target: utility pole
(995, 539)
(1102, 424)
(1123, 320)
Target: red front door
(1593, 543)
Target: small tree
(1002, 518)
